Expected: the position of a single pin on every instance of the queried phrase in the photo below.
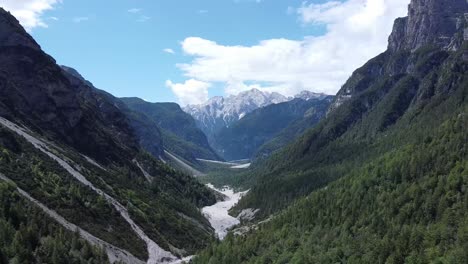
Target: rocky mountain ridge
(221, 112)
(279, 123)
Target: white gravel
(217, 214)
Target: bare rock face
(12, 34)
(40, 94)
(434, 24)
(430, 22)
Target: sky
(187, 51)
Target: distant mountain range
(271, 127)
(220, 113)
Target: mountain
(146, 131)
(383, 178)
(308, 95)
(386, 96)
(243, 138)
(159, 127)
(180, 133)
(220, 112)
(74, 179)
(297, 127)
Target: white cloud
(191, 92)
(357, 30)
(80, 19)
(29, 12)
(170, 51)
(202, 11)
(134, 10)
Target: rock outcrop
(12, 34)
(430, 22)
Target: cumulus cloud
(357, 30)
(190, 92)
(29, 12)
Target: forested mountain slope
(378, 108)
(243, 138)
(385, 175)
(180, 133)
(73, 148)
(296, 128)
(29, 236)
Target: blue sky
(219, 46)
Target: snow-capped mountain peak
(308, 95)
(219, 112)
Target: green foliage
(46, 181)
(407, 205)
(166, 208)
(27, 235)
(396, 109)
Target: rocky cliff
(431, 25)
(439, 23)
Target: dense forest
(393, 111)
(27, 235)
(384, 178)
(173, 193)
(408, 205)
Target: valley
(275, 152)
